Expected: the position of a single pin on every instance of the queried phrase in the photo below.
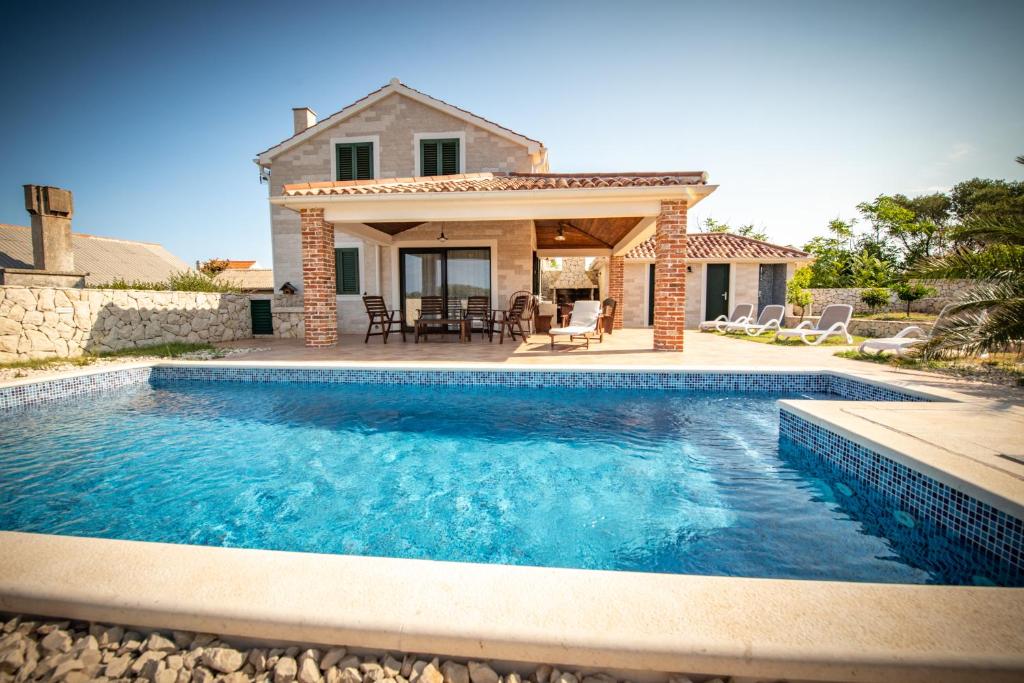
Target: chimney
(304, 117)
(51, 209)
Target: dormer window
(439, 157)
(353, 161)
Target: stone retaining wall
(47, 322)
(946, 291)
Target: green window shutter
(439, 157)
(354, 161)
(262, 319)
(346, 270)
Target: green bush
(184, 281)
(910, 292)
(875, 297)
(796, 292)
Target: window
(346, 270)
(439, 157)
(354, 161)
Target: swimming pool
(691, 482)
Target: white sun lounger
(770, 319)
(833, 321)
(741, 313)
(907, 338)
(584, 321)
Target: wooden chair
(608, 307)
(431, 308)
(511, 319)
(478, 310)
(381, 317)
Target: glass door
(453, 274)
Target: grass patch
(168, 350)
(769, 338)
(897, 316)
(1000, 368)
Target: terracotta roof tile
(493, 182)
(722, 245)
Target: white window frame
(343, 241)
(373, 139)
(418, 137)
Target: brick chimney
(304, 117)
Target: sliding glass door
(453, 274)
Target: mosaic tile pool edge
(67, 387)
(984, 528)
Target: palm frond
(996, 262)
(987, 318)
(1005, 230)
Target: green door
(716, 296)
(259, 311)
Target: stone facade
(286, 314)
(946, 291)
(635, 277)
(670, 277)
(391, 123)
(616, 266)
(50, 322)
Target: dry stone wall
(44, 322)
(946, 291)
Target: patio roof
(723, 246)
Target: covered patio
(407, 229)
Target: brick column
(670, 277)
(319, 305)
(615, 267)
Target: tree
(987, 200)
(833, 256)
(908, 292)
(870, 271)
(212, 266)
(990, 316)
(796, 289)
(875, 297)
(711, 225)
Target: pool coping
(824, 630)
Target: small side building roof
(723, 246)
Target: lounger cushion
(573, 329)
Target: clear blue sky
(152, 113)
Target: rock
(350, 674)
(202, 675)
(237, 677)
(258, 659)
(372, 671)
(152, 670)
(604, 678)
(455, 673)
(333, 656)
(350, 661)
(542, 674)
(184, 676)
(202, 640)
(56, 641)
(223, 659)
(66, 667)
(159, 643)
(309, 671)
(682, 679)
(285, 670)
(307, 655)
(332, 675)
(513, 678)
(431, 674)
(567, 678)
(407, 663)
(11, 624)
(182, 639)
(175, 662)
(87, 643)
(166, 676)
(117, 666)
(392, 667)
(12, 652)
(481, 673)
(292, 652)
(145, 658)
(77, 677)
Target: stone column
(319, 305)
(616, 264)
(670, 277)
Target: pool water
(678, 482)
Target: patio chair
(608, 307)
(431, 308)
(520, 310)
(381, 317)
(478, 310)
(908, 338)
(741, 313)
(770, 319)
(586, 320)
(834, 320)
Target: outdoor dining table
(463, 323)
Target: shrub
(875, 297)
(184, 281)
(909, 293)
(796, 289)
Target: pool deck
(759, 628)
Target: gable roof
(397, 87)
(104, 258)
(724, 246)
(494, 182)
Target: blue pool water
(675, 482)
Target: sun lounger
(585, 321)
(906, 339)
(770, 319)
(834, 321)
(740, 313)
